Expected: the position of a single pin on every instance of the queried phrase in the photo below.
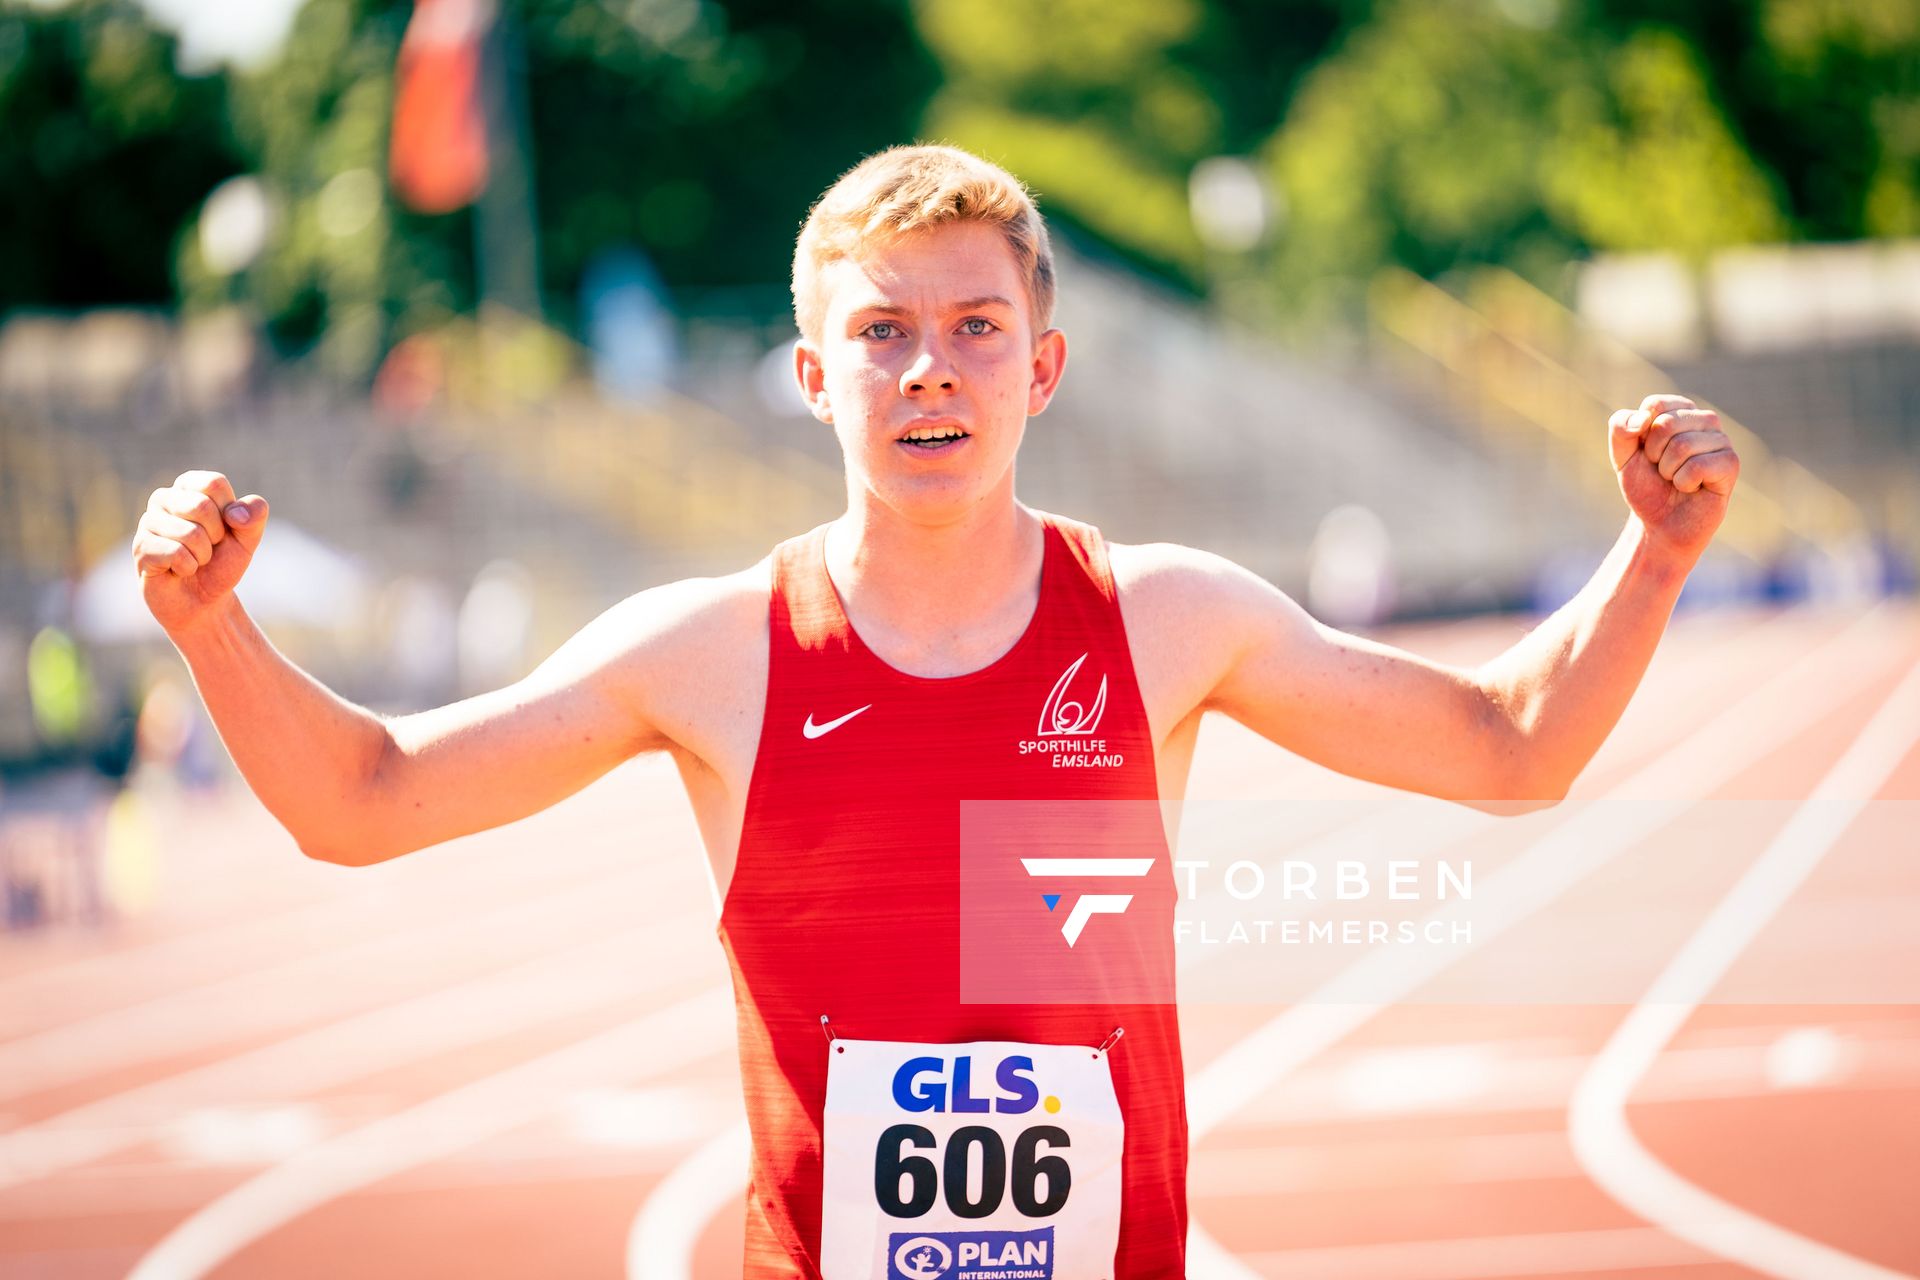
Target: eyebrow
(970, 304)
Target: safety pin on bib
(827, 1027)
(1105, 1045)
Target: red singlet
(845, 896)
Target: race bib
(990, 1160)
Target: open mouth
(933, 439)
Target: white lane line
(663, 1041)
(1363, 822)
(327, 902)
(665, 1232)
(597, 973)
(1208, 1259)
(43, 1000)
(1618, 819)
(1394, 1165)
(1205, 1257)
(1604, 1143)
(675, 1236)
(1356, 1092)
(1635, 808)
(1559, 1253)
(315, 984)
(661, 1241)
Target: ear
(812, 377)
(1049, 364)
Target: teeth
(933, 433)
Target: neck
(920, 584)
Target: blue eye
(874, 330)
(986, 327)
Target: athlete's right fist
(195, 540)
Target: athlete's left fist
(1676, 469)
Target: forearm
(307, 753)
(1565, 685)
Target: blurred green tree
(1499, 132)
(1512, 131)
(341, 259)
(1105, 106)
(104, 149)
(696, 131)
(1824, 93)
(703, 132)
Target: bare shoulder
(718, 613)
(689, 656)
(1192, 593)
(1189, 614)
(1169, 573)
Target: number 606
(895, 1171)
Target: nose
(930, 370)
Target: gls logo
(919, 1085)
(1087, 905)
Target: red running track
(511, 1055)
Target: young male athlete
(832, 708)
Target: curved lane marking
(1605, 1144)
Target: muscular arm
(1513, 732)
(1506, 736)
(1563, 687)
(357, 788)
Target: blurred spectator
(1350, 574)
(58, 688)
(495, 626)
(52, 830)
(165, 724)
(413, 377)
(630, 325)
(423, 640)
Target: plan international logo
(1065, 734)
(971, 1255)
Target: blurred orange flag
(438, 160)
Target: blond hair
(910, 188)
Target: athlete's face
(930, 333)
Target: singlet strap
(805, 612)
(1089, 550)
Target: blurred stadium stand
(1172, 425)
(1471, 427)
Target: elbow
(345, 848)
(1516, 806)
(1524, 791)
(1516, 779)
(1509, 793)
(338, 855)
(349, 838)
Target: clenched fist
(195, 540)
(1676, 468)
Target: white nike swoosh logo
(813, 730)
